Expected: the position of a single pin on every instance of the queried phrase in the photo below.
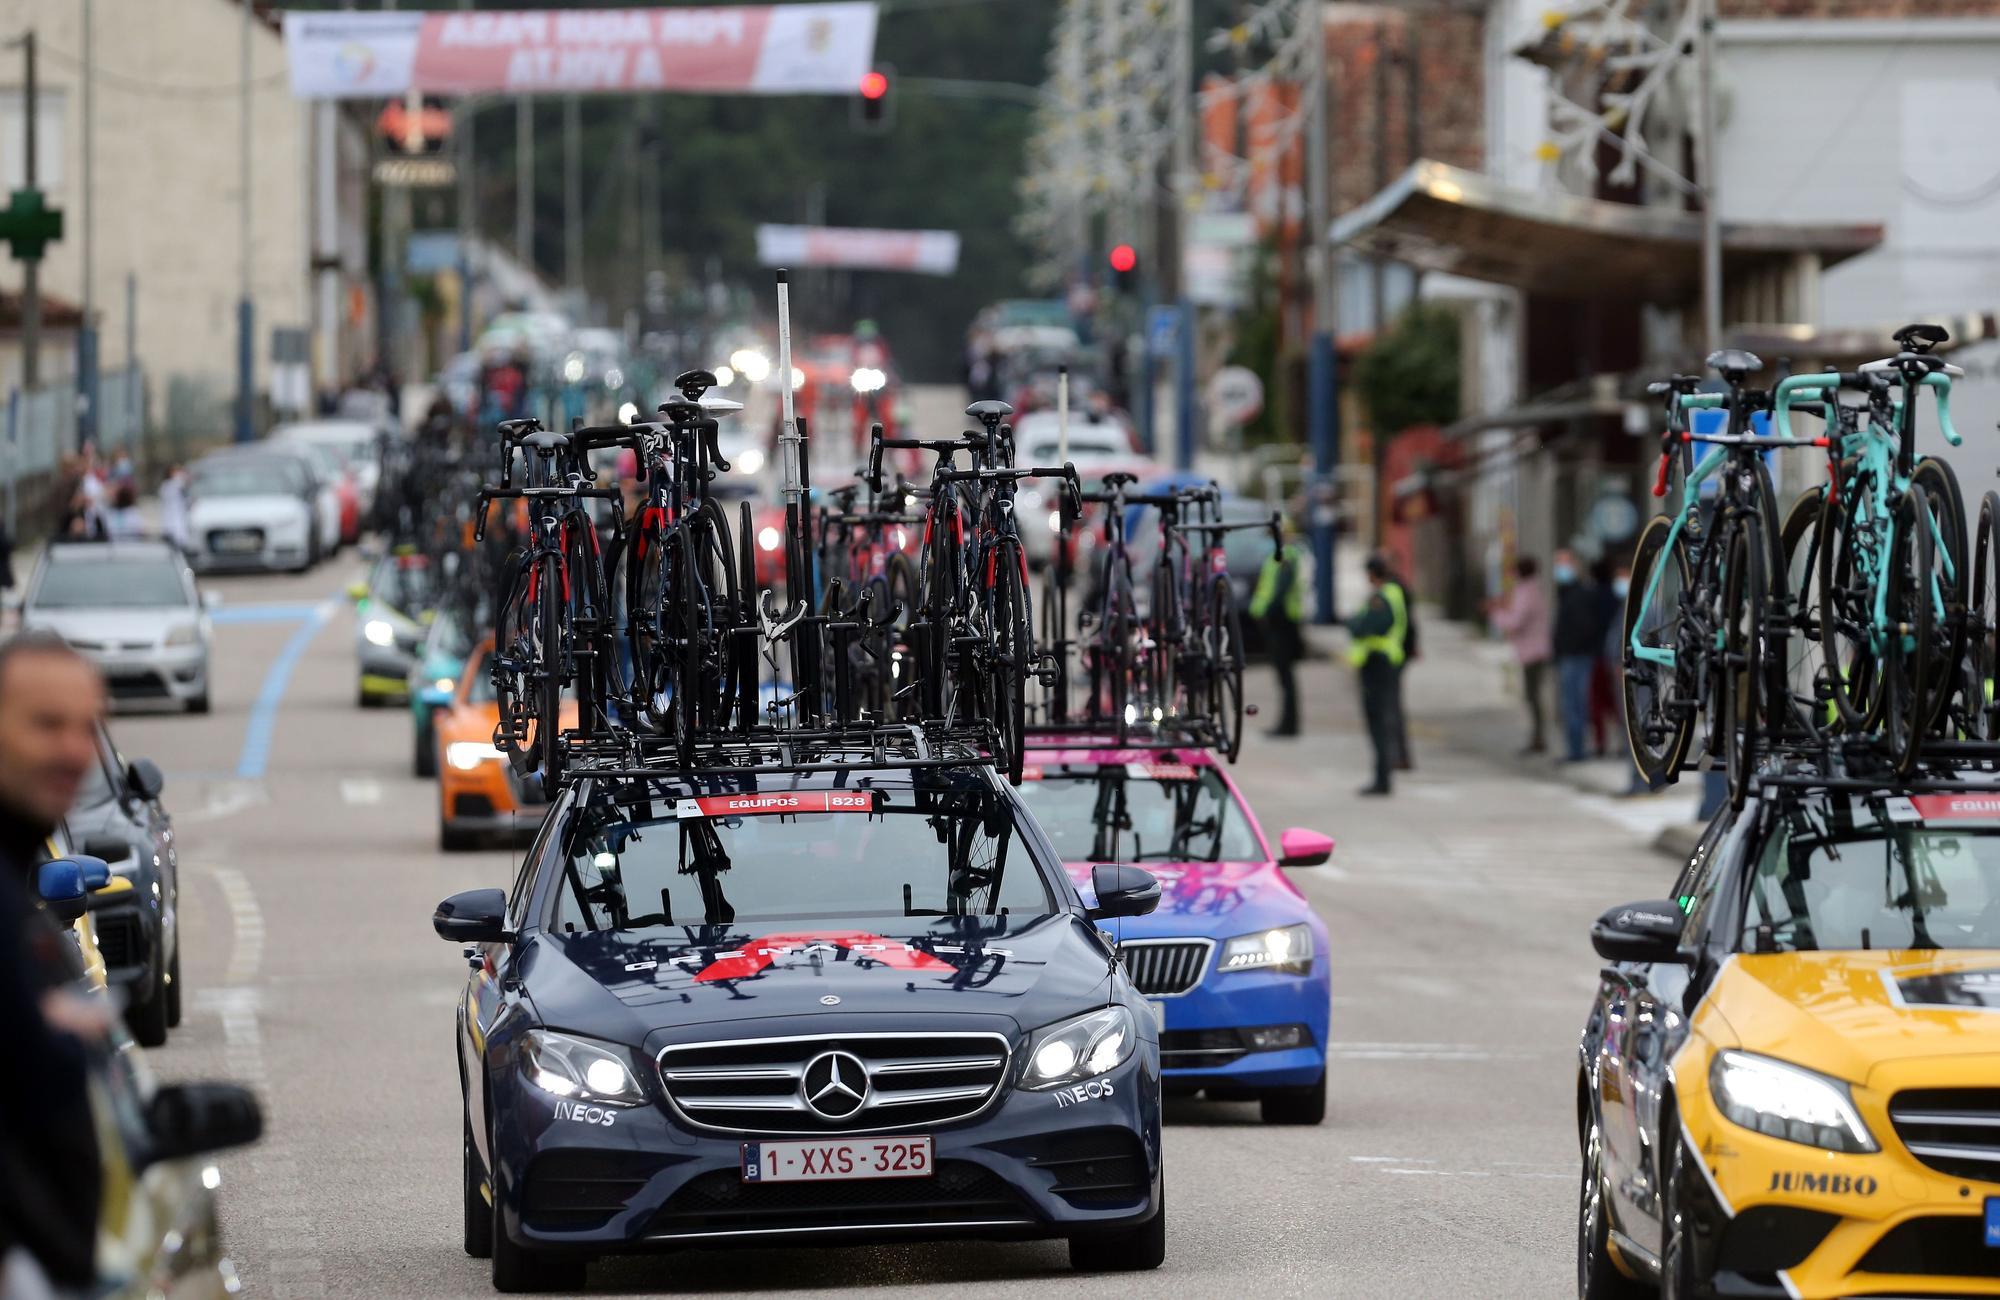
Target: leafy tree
(1409, 375)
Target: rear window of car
(1139, 812)
(1860, 874)
(111, 582)
(943, 848)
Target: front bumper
(1028, 1167)
(282, 549)
(485, 800)
(385, 670)
(128, 938)
(174, 674)
(1783, 1219)
(1206, 1041)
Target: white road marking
(226, 800)
(1423, 1052)
(360, 789)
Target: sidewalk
(1464, 694)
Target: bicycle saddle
(1119, 478)
(1921, 338)
(990, 411)
(693, 383)
(547, 440)
(1734, 364)
(680, 409)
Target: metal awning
(1444, 218)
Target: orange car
(478, 792)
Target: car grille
(1164, 968)
(759, 1085)
(135, 685)
(120, 940)
(1955, 1131)
(1934, 1246)
(961, 1192)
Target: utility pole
(1322, 404)
(86, 334)
(468, 195)
(1378, 267)
(246, 357)
(524, 181)
(1711, 218)
(31, 268)
(1174, 255)
(573, 193)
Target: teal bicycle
(1705, 630)
(1886, 558)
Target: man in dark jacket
(1579, 639)
(50, 701)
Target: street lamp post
(246, 312)
(1322, 402)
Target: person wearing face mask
(1579, 640)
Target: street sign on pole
(1163, 327)
(1235, 395)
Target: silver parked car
(133, 609)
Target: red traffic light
(1123, 258)
(874, 85)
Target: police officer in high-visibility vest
(1380, 632)
(1279, 605)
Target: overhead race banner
(926, 252)
(788, 49)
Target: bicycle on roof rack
(974, 636)
(1704, 634)
(1197, 619)
(863, 548)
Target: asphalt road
(1446, 1167)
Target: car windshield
(1139, 812)
(946, 848)
(247, 478)
(402, 583)
(112, 582)
(1863, 875)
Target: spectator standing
(1379, 633)
(174, 506)
(1579, 641)
(1522, 616)
(1604, 691)
(1399, 726)
(1279, 603)
(124, 523)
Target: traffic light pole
(1322, 398)
(31, 268)
(246, 312)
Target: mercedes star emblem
(834, 1084)
(830, 1000)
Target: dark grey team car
(119, 817)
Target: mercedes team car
(390, 606)
(1789, 1081)
(784, 1008)
(1234, 960)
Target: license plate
(806, 1162)
(238, 542)
(1993, 1220)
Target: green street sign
(28, 225)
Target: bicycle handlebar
(1821, 386)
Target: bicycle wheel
(1847, 565)
(1014, 646)
(1658, 723)
(743, 643)
(514, 655)
(1935, 479)
(1120, 626)
(1907, 685)
(645, 596)
(1740, 677)
(1163, 632)
(939, 579)
(1225, 666)
(904, 594)
(1807, 714)
(1056, 693)
(1983, 606)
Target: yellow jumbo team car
(1789, 1083)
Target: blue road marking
(264, 713)
(263, 613)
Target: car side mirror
(96, 871)
(474, 916)
(60, 885)
(1122, 891)
(1649, 931)
(1299, 847)
(194, 1119)
(143, 775)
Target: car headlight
(867, 379)
(577, 1070)
(1288, 949)
(749, 461)
(1081, 1048)
(379, 631)
(724, 376)
(445, 684)
(185, 634)
(1055, 521)
(768, 538)
(753, 365)
(468, 754)
(1787, 1101)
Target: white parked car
(132, 608)
(255, 509)
(355, 441)
(1095, 448)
